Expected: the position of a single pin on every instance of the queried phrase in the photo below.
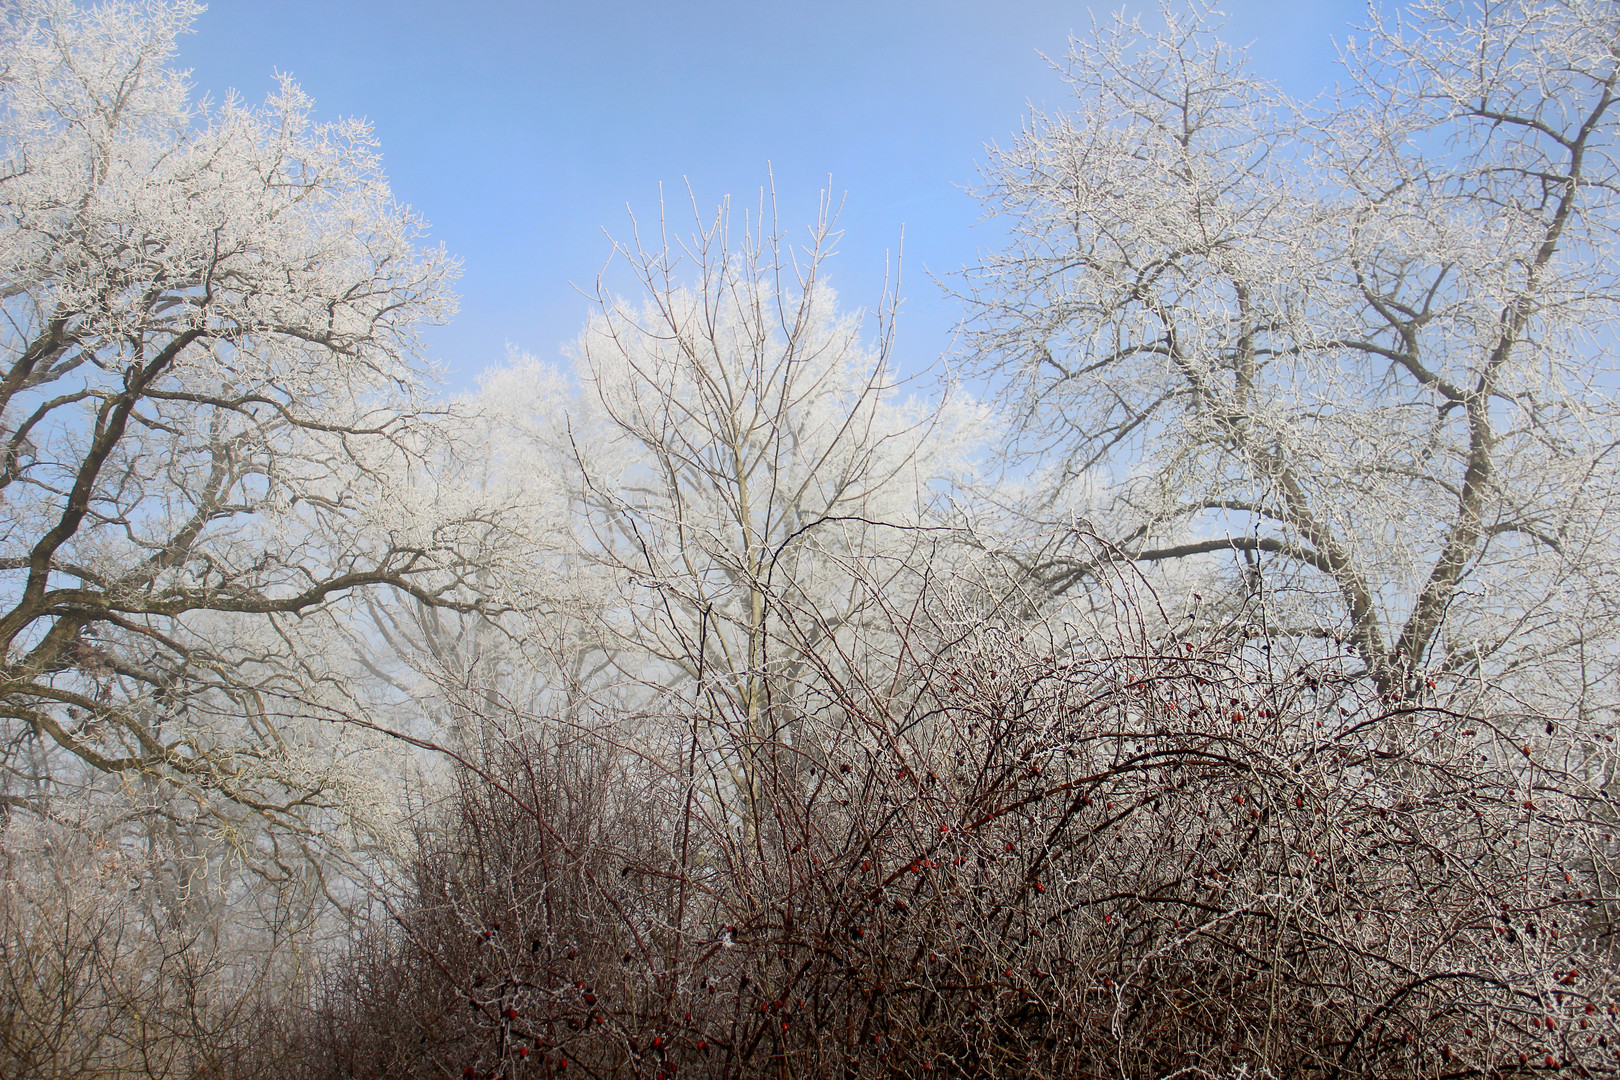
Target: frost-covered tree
(726, 498)
(751, 488)
(1361, 351)
(213, 434)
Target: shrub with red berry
(1034, 863)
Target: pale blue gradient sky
(522, 130)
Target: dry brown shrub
(1029, 862)
(106, 976)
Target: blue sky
(522, 130)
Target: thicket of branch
(105, 975)
(1036, 863)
